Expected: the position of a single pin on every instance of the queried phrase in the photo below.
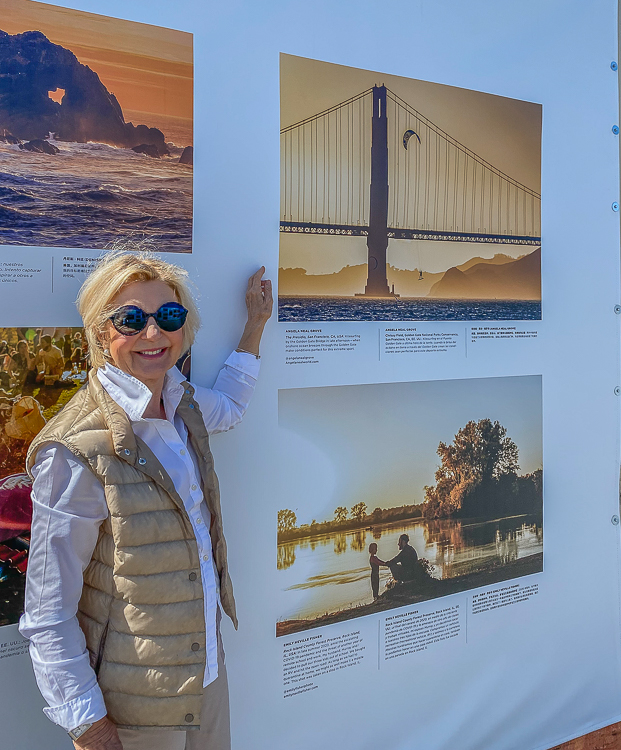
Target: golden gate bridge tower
(374, 166)
(377, 238)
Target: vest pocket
(100, 650)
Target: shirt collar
(133, 396)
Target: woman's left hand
(259, 304)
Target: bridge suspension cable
(438, 187)
(325, 165)
(437, 183)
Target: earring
(106, 352)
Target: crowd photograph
(40, 370)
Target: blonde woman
(128, 568)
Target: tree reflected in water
(469, 541)
(286, 555)
(340, 544)
(507, 547)
(358, 540)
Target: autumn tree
(359, 511)
(480, 450)
(481, 461)
(287, 520)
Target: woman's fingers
(255, 279)
(266, 286)
(259, 288)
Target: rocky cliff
(30, 67)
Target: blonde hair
(113, 272)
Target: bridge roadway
(344, 230)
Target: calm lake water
(332, 572)
(314, 309)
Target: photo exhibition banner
(422, 501)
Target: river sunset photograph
(454, 467)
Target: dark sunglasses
(130, 319)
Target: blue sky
(377, 443)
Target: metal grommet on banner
(613, 65)
(617, 391)
(617, 309)
(614, 520)
(615, 206)
(615, 129)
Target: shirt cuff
(244, 362)
(88, 707)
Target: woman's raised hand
(259, 298)
(259, 304)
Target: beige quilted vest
(142, 602)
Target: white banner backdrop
(525, 660)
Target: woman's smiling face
(151, 353)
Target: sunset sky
(505, 132)
(377, 443)
(148, 68)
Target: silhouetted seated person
(404, 566)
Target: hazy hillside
(498, 259)
(518, 279)
(468, 277)
(346, 282)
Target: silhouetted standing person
(375, 566)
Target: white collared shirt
(68, 507)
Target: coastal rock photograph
(96, 130)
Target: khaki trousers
(215, 731)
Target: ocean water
(91, 194)
(315, 309)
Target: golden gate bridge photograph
(396, 195)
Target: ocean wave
(94, 195)
(104, 194)
(169, 193)
(10, 195)
(11, 219)
(157, 193)
(99, 194)
(7, 178)
(91, 146)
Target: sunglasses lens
(129, 320)
(171, 316)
